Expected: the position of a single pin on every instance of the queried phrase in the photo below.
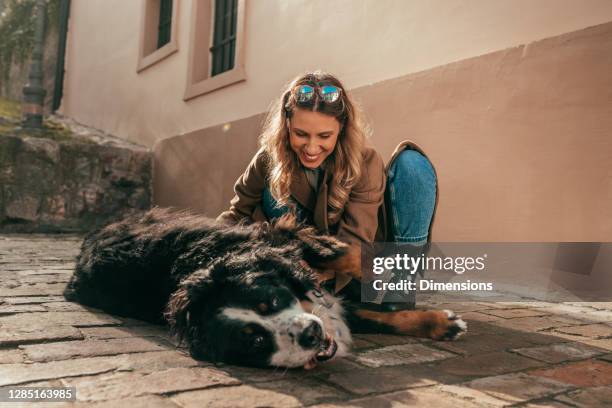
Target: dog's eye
(269, 307)
(257, 341)
(274, 303)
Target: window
(165, 22)
(158, 34)
(216, 51)
(224, 39)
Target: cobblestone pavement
(525, 354)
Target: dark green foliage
(17, 30)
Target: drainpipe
(34, 92)
(64, 15)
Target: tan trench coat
(364, 219)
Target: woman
(314, 162)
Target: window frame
(148, 53)
(199, 79)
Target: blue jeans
(411, 189)
(411, 186)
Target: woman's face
(313, 136)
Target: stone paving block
(389, 339)
(308, 390)
(513, 313)
(594, 305)
(149, 362)
(546, 403)
(337, 365)
(518, 387)
(146, 401)
(558, 353)
(516, 305)
(588, 397)
(485, 343)
(596, 331)
(33, 272)
(429, 397)
(244, 396)
(604, 344)
(457, 307)
(11, 309)
(586, 314)
(11, 374)
(533, 324)
(487, 364)
(92, 348)
(34, 290)
(400, 354)
(38, 319)
(472, 395)
(257, 375)
(126, 385)
(68, 307)
(590, 373)
(35, 334)
(11, 356)
(48, 278)
(252, 375)
(361, 343)
(478, 317)
(377, 380)
(117, 332)
(32, 299)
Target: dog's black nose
(312, 336)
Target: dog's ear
(317, 248)
(192, 291)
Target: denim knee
(412, 193)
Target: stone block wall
(70, 184)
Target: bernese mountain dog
(241, 294)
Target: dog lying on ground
(241, 294)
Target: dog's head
(259, 304)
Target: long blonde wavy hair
(345, 162)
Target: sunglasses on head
(306, 93)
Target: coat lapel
(301, 191)
(320, 211)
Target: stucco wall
(521, 140)
(363, 42)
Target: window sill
(157, 55)
(211, 84)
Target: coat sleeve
(359, 221)
(248, 190)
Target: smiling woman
(314, 162)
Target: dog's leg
(433, 324)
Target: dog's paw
(450, 326)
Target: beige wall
(362, 41)
(521, 140)
(510, 98)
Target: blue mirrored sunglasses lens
(305, 93)
(330, 93)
